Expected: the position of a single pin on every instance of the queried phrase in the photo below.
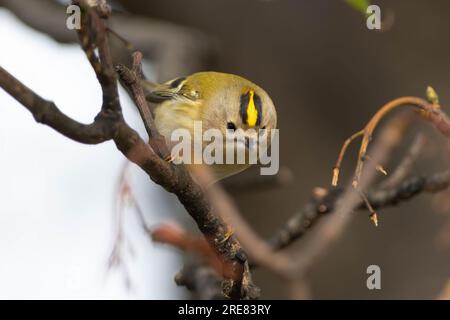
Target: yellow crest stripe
(252, 112)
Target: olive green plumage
(221, 101)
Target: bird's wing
(173, 89)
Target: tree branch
(176, 179)
(109, 124)
(325, 203)
(46, 112)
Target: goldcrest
(220, 101)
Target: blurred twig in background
(178, 49)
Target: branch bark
(46, 112)
(306, 217)
(109, 124)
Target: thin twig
(430, 111)
(337, 167)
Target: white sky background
(57, 196)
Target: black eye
(231, 126)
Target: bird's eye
(231, 126)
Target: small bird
(220, 101)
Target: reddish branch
(430, 110)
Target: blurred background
(325, 71)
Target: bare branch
(303, 220)
(46, 112)
(430, 111)
(110, 124)
(131, 80)
(176, 179)
(93, 35)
